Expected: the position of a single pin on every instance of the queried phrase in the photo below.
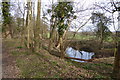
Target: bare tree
(28, 24)
(116, 69)
(37, 29)
(115, 7)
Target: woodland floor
(18, 62)
(9, 68)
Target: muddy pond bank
(93, 46)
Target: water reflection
(78, 54)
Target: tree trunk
(116, 69)
(7, 19)
(61, 48)
(37, 35)
(51, 37)
(52, 30)
(10, 31)
(28, 29)
(23, 29)
(101, 37)
(29, 24)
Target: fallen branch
(89, 60)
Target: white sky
(82, 16)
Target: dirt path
(9, 68)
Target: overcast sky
(82, 16)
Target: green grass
(31, 68)
(19, 47)
(87, 67)
(88, 37)
(17, 53)
(109, 39)
(99, 70)
(54, 63)
(44, 65)
(100, 76)
(81, 37)
(34, 66)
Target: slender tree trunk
(61, 47)
(52, 31)
(28, 24)
(51, 37)
(28, 29)
(23, 28)
(37, 35)
(10, 31)
(101, 36)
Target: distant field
(83, 37)
(87, 37)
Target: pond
(78, 54)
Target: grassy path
(9, 68)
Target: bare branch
(81, 27)
(103, 8)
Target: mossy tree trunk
(7, 29)
(29, 26)
(62, 53)
(37, 29)
(116, 69)
(28, 19)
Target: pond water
(78, 54)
